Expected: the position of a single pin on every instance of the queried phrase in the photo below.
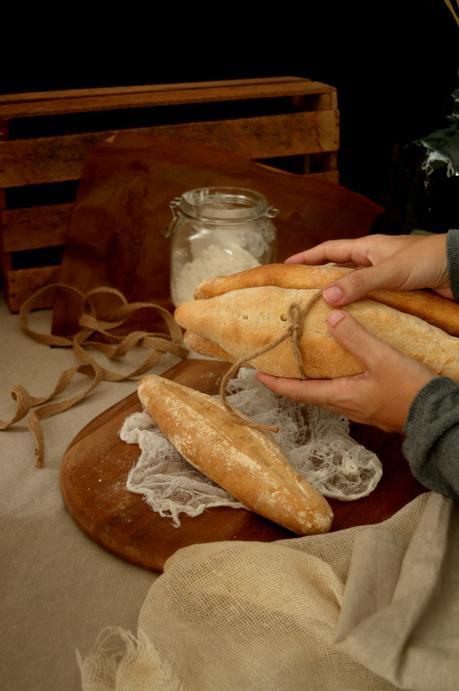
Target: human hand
(380, 396)
(394, 262)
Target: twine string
(40, 407)
(296, 316)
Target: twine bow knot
(296, 317)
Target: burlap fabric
(365, 608)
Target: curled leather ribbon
(156, 343)
(296, 315)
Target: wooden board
(97, 462)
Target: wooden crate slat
(5, 257)
(328, 176)
(35, 227)
(271, 136)
(322, 101)
(23, 282)
(45, 159)
(86, 104)
(57, 159)
(137, 89)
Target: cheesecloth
(315, 441)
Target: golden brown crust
(432, 308)
(242, 460)
(243, 321)
(280, 275)
(204, 346)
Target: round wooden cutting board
(96, 464)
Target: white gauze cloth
(315, 441)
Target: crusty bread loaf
(242, 460)
(432, 308)
(242, 321)
(205, 346)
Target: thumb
(351, 336)
(358, 283)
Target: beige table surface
(58, 589)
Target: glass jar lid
(223, 204)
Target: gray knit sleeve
(431, 446)
(452, 245)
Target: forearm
(432, 427)
(452, 245)
(432, 437)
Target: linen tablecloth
(57, 587)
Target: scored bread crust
(242, 460)
(204, 346)
(241, 322)
(434, 309)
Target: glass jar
(217, 231)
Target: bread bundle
(235, 316)
(242, 460)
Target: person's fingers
(340, 251)
(353, 338)
(445, 292)
(321, 392)
(357, 284)
(298, 258)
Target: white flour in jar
(216, 232)
(214, 259)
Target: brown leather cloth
(115, 232)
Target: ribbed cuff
(452, 245)
(432, 436)
(435, 387)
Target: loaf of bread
(432, 308)
(242, 460)
(234, 316)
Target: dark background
(394, 63)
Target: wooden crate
(289, 123)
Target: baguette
(242, 321)
(432, 308)
(242, 460)
(205, 346)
